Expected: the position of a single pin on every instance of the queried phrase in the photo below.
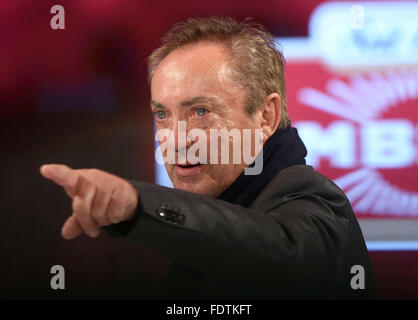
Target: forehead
(194, 70)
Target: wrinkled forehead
(197, 68)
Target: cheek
(223, 174)
(224, 122)
(166, 123)
(170, 170)
(203, 123)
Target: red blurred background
(79, 96)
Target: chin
(199, 188)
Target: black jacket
(287, 232)
(298, 239)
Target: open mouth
(188, 166)
(187, 169)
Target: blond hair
(257, 61)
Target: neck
(283, 149)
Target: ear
(270, 114)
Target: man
(287, 232)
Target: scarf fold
(283, 149)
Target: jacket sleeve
(300, 238)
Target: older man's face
(193, 84)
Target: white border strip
(392, 245)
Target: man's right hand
(99, 198)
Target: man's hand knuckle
(95, 171)
(116, 216)
(94, 190)
(77, 205)
(98, 216)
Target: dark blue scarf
(282, 150)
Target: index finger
(62, 175)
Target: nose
(181, 139)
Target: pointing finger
(63, 176)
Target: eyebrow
(197, 100)
(187, 103)
(157, 105)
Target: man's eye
(200, 112)
(160, 114)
